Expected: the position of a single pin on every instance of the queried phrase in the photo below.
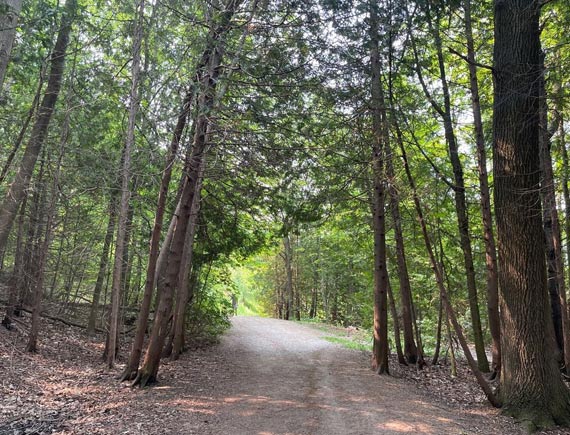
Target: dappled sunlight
(400, 426)
(189, 405)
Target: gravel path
(287, 380)
(266, 377)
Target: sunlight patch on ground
(400, 426)
(194, 406)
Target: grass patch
(347, 342)
(350, 338)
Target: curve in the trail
(287, 380)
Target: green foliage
(348, 343)
(211, 308)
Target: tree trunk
(24, 127)
(15, 284)
(451, 349)
(565, 177)
(554, 260)
(212, 58)
(102, 267)
(531, 387)
(488, 236)
(380, 133)
(288, 258)
(34, 233)
(9, 12)
(396, 321)
(125, 192)
(460, 206)
(21, 181)
(44, 248)
(440, 283)
(183, 295)
(410, 348)
(132, 366)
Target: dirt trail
(266, 377)
(286, 379)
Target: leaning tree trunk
(132, 366)
(488, 236)
(212, 60)
(17, 189)
(9, 11)
(184, 296)
(380, 137)
(531, 387)
(440, 282)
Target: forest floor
(265, 377)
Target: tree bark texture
(183, 295)
(531, 387)
(380, 137)
(9, 12)
(553, 236)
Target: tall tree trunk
(460, 204)
(125, 193)
(440, 283)
(175, 341)
(103, 262)
(212, 58)
(183, 296)
(565, 177)
(531, 387)
(9, 12)
(553, 238)
(24, 127)
(44, 248)
(488, 236)
(132, 366)
(17, 189)
(34, 233)
(410, 348)
(127, 255)
(379, 130)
